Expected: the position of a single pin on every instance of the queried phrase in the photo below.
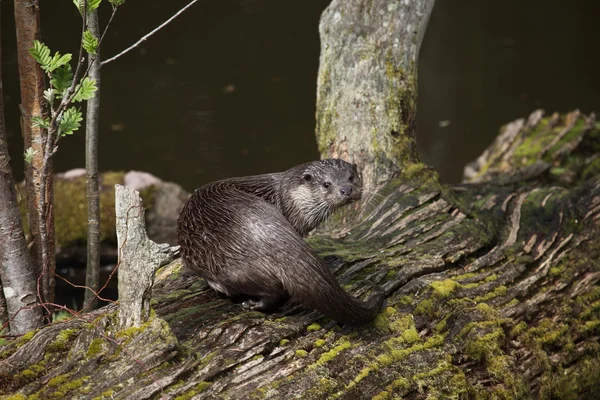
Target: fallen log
(492, 292)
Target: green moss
(425, 307)
(320, 390)
(58, 380)
(413, 170)
(70, 386)
(591, 310)
(362, 375)
(128, 333)
(283, 342)
(199, 388)
(512, 303)
(440, 326)
(94, 348)
(382, 320)
(401, 323)
(319, 343)
(343, 344)
(518, 329)
(499, 291)
(547, 332)
(17, 396)
(578, 382)
(531, 147)
(384, 395)
(62, 340)
(573, 134)
(26, 338)
(313, 327)
(107, 394)
(556, 271)
(590, 327)
(400, 384)
(301, 353)
(32, 372)
(591, 170)
(395, 352)
(441, 368)
(444, 288)
(406, 300)
(479, 347)
(410, 335)
(491, 278)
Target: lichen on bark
(366, 96)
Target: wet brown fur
(244, 236)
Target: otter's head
(316, 189)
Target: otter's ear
(355, 167)
(307, 177)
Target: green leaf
(117, 3)
(62, 79)
(86, 90)
(49, 95)
(39, 122)
(79, 4)
(70, 121)
(58, 61)
(90, 42)
(41, 53)
(91, 5)
(29, 154)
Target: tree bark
(492, 293)
(92, 275)
(27, 22)
(139, 258)
(367, 85)
(18, 297)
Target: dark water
(229, 87)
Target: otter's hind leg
(265, 303)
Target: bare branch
(143, 38)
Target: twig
(86, 288)
(143, 38)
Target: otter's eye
(351, 179)
(307, 177)
(326, 184)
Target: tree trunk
(92, 275)
(17, 278)
(27, 21)
(492, 293)
(367, 87)
(139, 258)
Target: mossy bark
(492, 292)
(367, 84)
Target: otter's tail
(313, 285)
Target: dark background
(229, 87)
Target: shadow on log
(492, 293)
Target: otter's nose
(346, 190)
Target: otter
(244, 236)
